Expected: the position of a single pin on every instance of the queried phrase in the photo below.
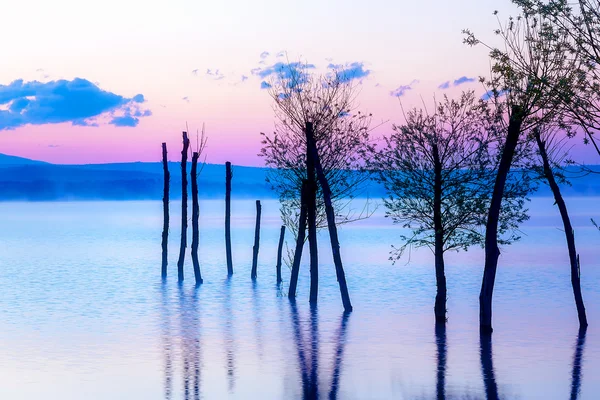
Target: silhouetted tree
(521, 71)
(200, 145)
(184, 196)
(327, 102)
(552, 158)
(256, 240)
(165, 232)
(438, 171)
(228, 177)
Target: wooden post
(299, 241)
(333, 236)
(228, 176)
(165, 232)
(195, 217)
(279, 251)
(256, 240)
(186, 144)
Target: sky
(109, 81)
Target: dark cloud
(490, 94)
(463, 79)
(265, 85)
(294, 72)
(444, 85)
(78, 101)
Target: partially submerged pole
(256, 240)
(184, 151)
(195, 217)
(279, 251)
(165, 232)
(228, 176)
(299, 241)
(333, 235)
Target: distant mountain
(24, 179)
(6, 159)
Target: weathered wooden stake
(228, 176)
(165, 232)
(195, 217)
(256, 240)
(184, 195)
(279, 251)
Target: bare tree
(184, 197)
(438, 171)
(327, 101)
(200, 146)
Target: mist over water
(84, 313)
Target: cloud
(444, 85)
(214, 74)
(280, 54)
(186, 99)
(463, 79)
(490, 94)
(78, 101)
(349, 72)
(125, 120)
(195, 72)
(244, 78)
(284, 71)
(264, 54)
(53, 146)
(265, 85)
(401, 90)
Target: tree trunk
(440, 276)
(333, 236)
(228, 176)
(186, 144)
(165, 232)
(256, 241)
(299, 241)
(312, 224)
(279, 251)
(570, 235)
(492, 252)
(195, 217)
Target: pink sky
(137, 47)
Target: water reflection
(440, 341)
(228, 336)
(167, 345)
(487, 367)
(577, 364)
(187, 340)
(309, 374)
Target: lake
(84, 313)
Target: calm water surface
(84, 314)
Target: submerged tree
(438, 171)
(340, 136)
(529, 63)
(550, 167)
